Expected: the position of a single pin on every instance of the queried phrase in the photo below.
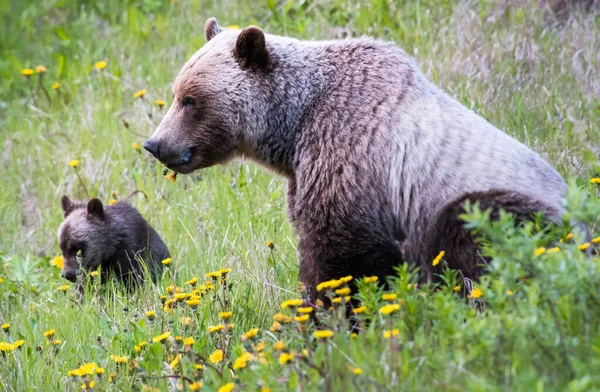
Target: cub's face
(83, 233)
(212, 101)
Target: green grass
(535, 77)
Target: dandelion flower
(539, 251)
(216, 328)
(49, 334)
(18, 343)
(476, 293)
(279, 345)
(438, 258)
(282, 318)
(227, 387)
(57, 342)
(251, 334)
(74, 162)
(269, 244)
(596, 240)
(276, 327)
(324, 334)
(553, 250)
(139, 94)
(63, 288)
(40, 69)
(193, 303)
(55, 86)
(388, 309)
(360, 309)
(188, 341)
(305, 310)
(175, 362)
(100, 65)
(225, 315)
(169, 305)
(119, 359)
(303, 318)
(88, 385)
(198, 366)
(389, 297)
(150, 314)
(357, 371)
(94, 274)
(595, 180)
(6, 327)
(160, 103)
(185, 321)
(195, 386)
(217, 356)
(284, 358)
(6, 347)
(371, 279)
(1, 280)
(509, 293)
(388, 334)
(569, 236)
(27, 72)
(330, 284)
(584, 246)
(456, 288)
(241, 361)
(291, 303)
(167, 261)
(343, 292)
(172, 176)
(192, 282)
(162, 337)
(135, 146)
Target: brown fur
(116, 237)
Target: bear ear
(67, 205)
(211, 28)
(251, 47)
(95, 208)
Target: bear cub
(115, 237)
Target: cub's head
(85, 230)
(217, 100)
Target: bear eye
(187, 101)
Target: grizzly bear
(378, 160)
(116, 238)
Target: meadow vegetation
(83, 84)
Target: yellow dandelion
(279, 345)
(569, 236)
(456, 288)
(94, 274)
(305, 310)
(195, 386)
(371, 279)
(167, 261)
(225, 315)
(241, 361)
(57, 342)
(162, 337)
(88, 385)
(285, 358)
(192, 282)
(185, 321)
(389, 333)
(269, 244)
(539, 251)
(360, 309)
(136, 146)
(276, 327)
(216, 357)
(199, 366)
(595, 180)
(476, 293)
(1, 280)
(100, 65)
(18, 343)
(74, 162)
(438, 258)
(323, 334)
(282, 318)
(509, 293)
(188, 341)
(160, 103)
(343, 292)
(169, 305)
(553, 250)
(216, 328)
(357, 371)
(112, 202)
(389, 297)
(175, 362)
(227, 387)
(40, 69)
(27, 72)
(596, 240)
(49, 334)
(140, 94)
(55, 86)
(388, 309)
(63, 288)
(6, 327)
(119, 359)
(353, 335)
(584, 246)
(291, 303)
(172, 176)
(150, 314)
(251, 334)
(302, 319)
(329, 285)
(339, 300)
(193, 303)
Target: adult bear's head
(220, 100)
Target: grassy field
(533, 75)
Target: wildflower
(371, 279)
(227, 387)
(269, 244)
(324, 334)
(476, 293)
(225, 315)
(596, 240)
(193, 303)
(353, 335)
(357, 371)
(57, 261)
(111, 377)
(49, 334)
(139, 94)
(438, 258)
(119, 359)
(345, 279)
(456, 288)
(94, 274)
(569, 236)
(150, 314)
(135, 146)
(595, 180)
(389, 297)
(235, 27)
(6, 327)
(167, 261)
(539, 251)
(584, 246)
(343, 292)
(185, 321)
(40, 69)
(175, 362)
(1, 280)
(216, 328)
(74, 162)
(57, 342)
(6, 347)
(251, 334)
(330, 284)
(241, 361)
(339, 300)
(27, 72)
(275, 327)
(303, 318)
(199, 366)
(192, 282)
(88, 385)
(100, 65)
(305, 310)
(279, 345)
(172, 176)
(188, 341)
(179, 297)
(195, 386)
(388, 309)
(509, 293)
(291, 303)
(286, 357)
(217, 356)
(18, 343)
(553, 250)
(55, 86)
(282, 318)
(169, 305)
(319, 303)
(160, 103)
(388, 334)
(360, 309)
(162, 337)
(224, 271)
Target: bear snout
(153, 147)
(70, 275)
(173, 158)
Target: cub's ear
(67, 205)
(211, 28)
(251, 47)
(95, 208)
